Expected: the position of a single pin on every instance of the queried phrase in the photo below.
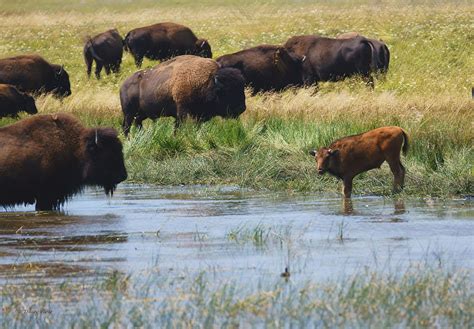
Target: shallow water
(195, 229)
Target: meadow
(427, 91)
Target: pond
(236, 233)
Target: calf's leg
(347, 189)
(398, 172)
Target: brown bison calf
(46, 159)
(13, 101)
(349, 156)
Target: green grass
(427, 90)
(417, 298)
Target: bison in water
(13, 101)
(382, 54)
(46, 159)
(349, 156)
(32, 73)
(163, 41)
(106, 50)
(333, 59)
(183, 86)
(266, 67)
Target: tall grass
(427, 90)
(417, 298)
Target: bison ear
(313, 153)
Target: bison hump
(192, 77)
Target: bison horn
(96, 137)
(313, 153)
(304, 58)
(202, 44)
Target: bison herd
(48, 158)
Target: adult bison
(106, 50)
(13, 101)
(163, 41)
(183, 86)
(266, 67)
(382, 54)
(32, 73)
(349, 156)
(332, 59)
(46, 159)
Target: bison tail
(405, 142)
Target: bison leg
(398, 173)
(347, 187)
(89, 60)
(44, 205)
(98, 68)
(138, 59)
(116, 67)
(107, 69)
(127, 123)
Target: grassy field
(427, 90)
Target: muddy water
(233, 232)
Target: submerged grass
(427, 91)
(417, 298)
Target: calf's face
(324, 159)
(103, 159)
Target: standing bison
(382, 54)
(13, 101)
(163, 41)
(183, 86)
(32, 73)
(266, 67)
(349, 156)
(333, 59)
(106, 50)
(46, 159)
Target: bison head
(103, 159)
(29, 104)
(61, 85)
(230, 92)
(325, 159)
(203, 48)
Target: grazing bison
(332, 59)
(13, 101)
(265, 67)
(32, 73)
(106, 50)
(350, 156)
(183, 86)
(382, 54)
(48, 158)
(163, 41)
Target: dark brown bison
(349, 156)
(332, 59)
(33, 74)
(382, 54)
(183, 86)
(106, 50)
(13, 101)
(163, 41)
(46, 159)
(266, 67)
